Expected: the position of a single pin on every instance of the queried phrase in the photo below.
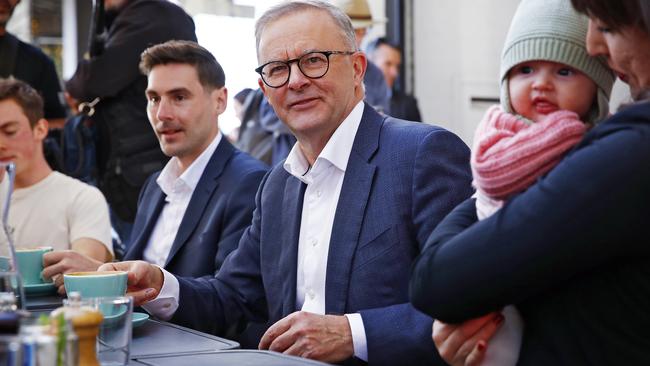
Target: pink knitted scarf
(509, 154)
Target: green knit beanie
(551, 30)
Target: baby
(551, 92)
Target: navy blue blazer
(402, 178)
(220, 209)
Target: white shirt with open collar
(178, 189)
(324, 180)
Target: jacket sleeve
(50, 85)
(213, 305)
(588, 211)
(238, 215)
(400, 334)
(441, 180)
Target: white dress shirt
(324, 180)
(178, 189)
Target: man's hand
(325, 338)
(465, 343)
(56, 263)
(144, 280)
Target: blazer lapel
(294, 192)
(204, 190)
(350, 211)
(155, 202)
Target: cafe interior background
(450, 61)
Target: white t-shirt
(57, 211)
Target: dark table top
(155, 338)
(161, 344)
(226, 358)
(43, 302)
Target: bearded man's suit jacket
(220, 208)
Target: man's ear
(359, 65)
(262, 86)
(265, 90)
(220, 97)
(40, 129)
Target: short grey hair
(290, 7)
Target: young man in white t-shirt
(47, 207)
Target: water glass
(114, 338)
(11, 293)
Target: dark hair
(25, 96)
(241, 96)
(373, 45)
(617, 13)
(210, 73)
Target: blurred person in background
(388, 57)
(262, 134)
(239, 100)
(377, 90)
(29, 64)
(127, 149)
(238, 105)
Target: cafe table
(158, 343)
(43, 303)
(226, 358)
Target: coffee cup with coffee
(96, 284)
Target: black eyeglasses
(313, 65)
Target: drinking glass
(114, 338)
(10, 279)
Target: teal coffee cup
(30, 264)
(5, 264)
(96, 284)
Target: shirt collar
(170, 180)
(336, 151)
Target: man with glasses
(326, 260)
